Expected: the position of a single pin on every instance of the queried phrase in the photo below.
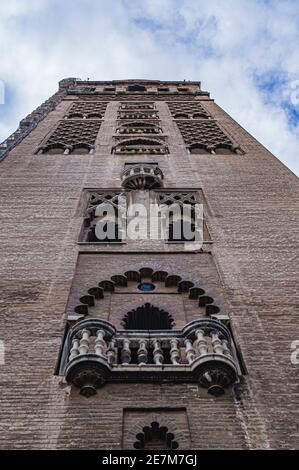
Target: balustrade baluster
(158, 353)
(126, 352)
(111, 352)
(75, 349)
(190, 353)
(175, 354)
(142, 352)
(201, 343)
(216, 342)
(100, 343)
(226, 350)
(84, 342)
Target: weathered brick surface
(252, 215)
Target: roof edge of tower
(65, 82)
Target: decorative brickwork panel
(175, 197)
(191, 109)
(70, 133)
(206, 133)
(87, 109)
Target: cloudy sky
(245, 52)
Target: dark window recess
(136, 87)
(112, 233)
(103, 222)
(148, 317)
(180, 231)
(155, 437)
(199, 150)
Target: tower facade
(119, 329)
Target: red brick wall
(253, 218)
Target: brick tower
(115, 342)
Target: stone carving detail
(30, 122)
(210, 301)
(142, 176)
(87, 110)
(187, 110)
(71, 135)
(205, 134)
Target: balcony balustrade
(203, 352)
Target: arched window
(200, 116)
(181, 116)
(198, 149)
(75, 116)
(155, 437)
(54, 149)
(94, 116)
(224, 149)
(80, 149)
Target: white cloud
(223, 44)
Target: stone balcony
(142, 176)
(203, 352)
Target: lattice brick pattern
(203, 132)
(75, 132)
(85, 107)
(107, 197)
(188, 107)
(169, 198)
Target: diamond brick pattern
(75, 132)
(83, 107)
(187, 107)
(206, 133)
